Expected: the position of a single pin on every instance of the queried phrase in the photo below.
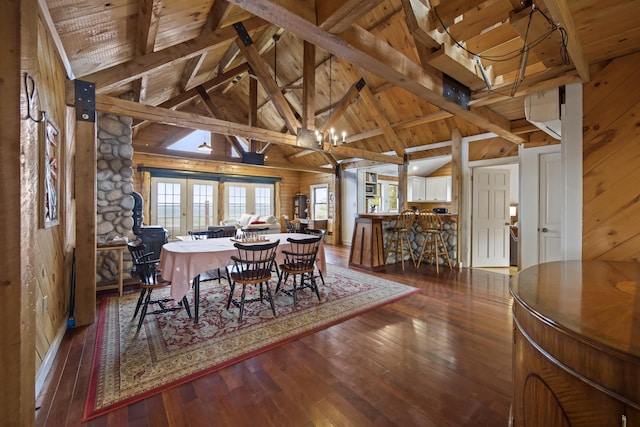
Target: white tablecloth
(181, 261)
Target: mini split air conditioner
(542, 109)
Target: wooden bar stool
(400, 235)
(431, 226)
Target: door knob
(545, 229)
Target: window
(168, 205)
(249, 198)
(237, 201)
(263, 201)
(202, 212)
(320, 198)
(392, 198)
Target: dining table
(182, 261)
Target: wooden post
(18, 214)
(86, 204)
(308, 86)
(456, 185)
(337, 210)
(402, 184)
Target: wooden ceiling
(181, 64)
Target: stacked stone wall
(114, 191)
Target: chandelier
(331, 136)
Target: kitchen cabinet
(416, 189)
(438, 189)
(431, 189)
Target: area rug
(171, 349)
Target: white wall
(349, 203)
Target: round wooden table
(577, 344)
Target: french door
(180, 204)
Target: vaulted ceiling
(254, 72)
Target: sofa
(249, 221)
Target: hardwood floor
(441, 357)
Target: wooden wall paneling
(306, 181)
(285, 191)
(53, 249)
(611, 163)
(18, 215)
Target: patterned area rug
(170, 349)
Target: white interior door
(550, 217)
(490, 218)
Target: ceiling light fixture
(331, 136)
(205, 147)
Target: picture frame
(49, 171)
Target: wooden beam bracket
(243, 34)
(85, 100)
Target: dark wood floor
(441, 357)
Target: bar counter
(370, 236)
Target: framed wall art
(49, 190)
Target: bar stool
(400, 234)
(431, 226)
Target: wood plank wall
(289, 186)
(53, 248)
(611, 162)
(307, 179)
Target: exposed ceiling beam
(364, 50)
(343, 150)
(336, 16)
(342, 105)
(115, 76)
(215, 113)
(381, 120)
(405, 124)
(450, 9)
(308, 86)
(180, 100)
(263, 73)
(192, 66)
(263, 44)
(560, 12)
(445, 56)
(147, 30)
(531, 25)
(51, 28)
(189, 120)
(495, 97)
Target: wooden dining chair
(322, 233)
(150, 280)
(433, 245)
(199, 235)
(300, 260)
(218, 273)
(399, 236)
(252, 266)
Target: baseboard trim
(47, 362)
